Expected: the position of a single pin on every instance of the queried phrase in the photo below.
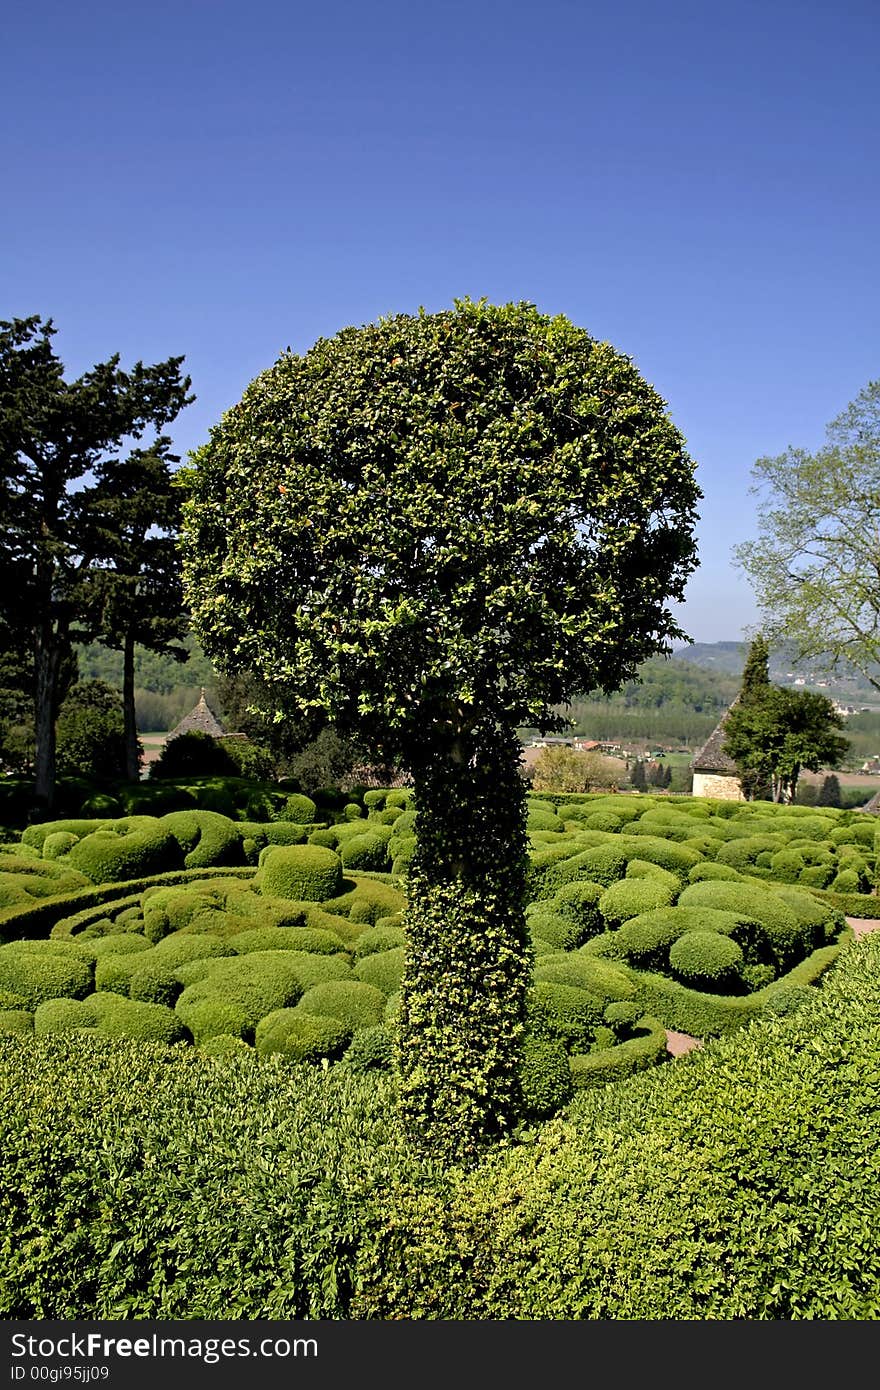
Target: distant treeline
(675, 703)
(165, 689)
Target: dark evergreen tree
(55, 436)
(829, 792)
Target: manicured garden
(216, 995)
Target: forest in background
(675, 704)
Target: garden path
(678, 1044)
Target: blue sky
(697, 184)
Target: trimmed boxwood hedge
(736, 1184)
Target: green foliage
(67, 535)
(300, 808)
(255, 984)
(35, 971)
(629, 897)
(301, 872)
(579, 901)
(776, 733)
(706, 1165)
(130, 848)
(370, 1050)
(301, 1037)
(367, 852)
(560, 930)
(505, 621)
(706, 960)
(383, 969)
(564, 1014)
(813, 565)
(354, 1002)
(544, 1078)
(193, 754)
(89, 733)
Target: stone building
(714, 771)
(202, 720)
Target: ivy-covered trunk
(468, 960)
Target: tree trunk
(468, 959)
(47, 663)
(132, 754)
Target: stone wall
(721, 786)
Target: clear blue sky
(697, 184)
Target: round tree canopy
(439, 519)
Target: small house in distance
(202, 720)
(714, 770)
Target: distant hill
(728, 659)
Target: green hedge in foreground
(741, 1182)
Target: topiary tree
(434, 530)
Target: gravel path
(679, 1044)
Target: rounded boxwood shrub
(580, 902)
(302, 1037)
(309, 873)
(118, 1017)
(300, 808)
(309, 939)
(314, 970)
(706, 960)
(678, 859)
(35, 836)
(559, 931)
(374, 799)
(129, 850)
(181, 947)
(564, 1014)
(622, 1017)
(206, 838)
(379, 938)
(399, 796)
(403, 857)
(383, 969)
(15, 1023)
(354, 1002)
(371, 1049)
(352, 811)
(63, 1016)
(193, 970)
(604, 979)
(700, 872)
(601, 864)
(367, 902)
(818, 876)
(604, 820)
(846, 881)
(257, 984)
(215, 1018)
(630, 897)
(365, 853)
(58, 843)
(34, 976)
(787, 865)
(326, 837)
(544, 1078)
(113, 973)
(154, 983)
